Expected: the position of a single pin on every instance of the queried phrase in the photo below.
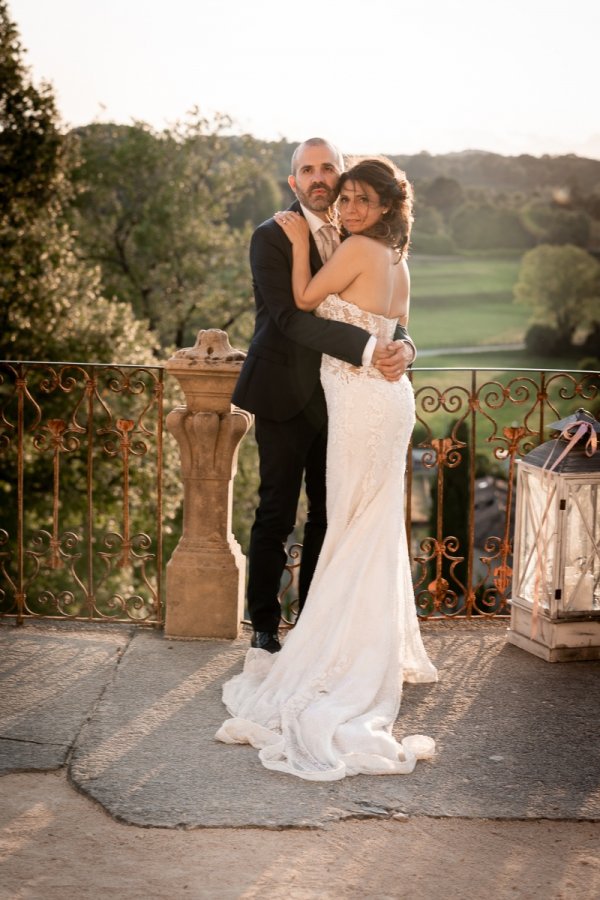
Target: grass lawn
(465, 301)
(496, 359)
(443, 276)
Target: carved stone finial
(212, 348)
(208, 371)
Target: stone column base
(205, 593)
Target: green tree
(30, 144)
(259, 204)
(542, 340)
(591, 203)
(153, 212)
(31, 170)
(51, 303)
(484, 226)
(562, 287)
(444, 194)
(551, 223)
(429, 232)
(52, 308)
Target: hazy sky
(374, 76)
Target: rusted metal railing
(81, 481)
(81, 486)
(480, 421)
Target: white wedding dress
(324, 706)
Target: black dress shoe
(264, 640)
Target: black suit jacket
(281, 370)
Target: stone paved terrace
(130, 716)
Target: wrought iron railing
(81, 481)
(478, 422)
(481, 420)
(80, 474)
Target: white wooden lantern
(555, 605)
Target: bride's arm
(336, 274)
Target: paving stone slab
(516, 737)
(51, 676)
(27, 756)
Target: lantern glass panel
(582, 548)
(537, 536)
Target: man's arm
(270, 260)
(391, 358)
(401, 334)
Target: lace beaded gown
(324, 706)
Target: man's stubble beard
(320, 203)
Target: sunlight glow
(378, 76)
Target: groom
(279, 383)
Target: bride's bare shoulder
(400, 269)
(356, 241)
(403, 271)
(365, 246)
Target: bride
(324, 707)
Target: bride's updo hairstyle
(394, 192)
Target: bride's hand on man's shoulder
(293, 224)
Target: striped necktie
(329, 240)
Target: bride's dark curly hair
(394, 192)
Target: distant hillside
(475, 168)
(479, 169)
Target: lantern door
(537, 538)
(581, 558)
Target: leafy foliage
(483, 226)
(562, 287)
(429, 233)
(153, 212)
(30, 143)
(444, 194)
(257, 204)
(541, 339)
(551, 223)
(52, 305)
(492, 172)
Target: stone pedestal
(206, 573)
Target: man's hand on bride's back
(294, 225)
(392, 358)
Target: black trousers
(288, 451)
